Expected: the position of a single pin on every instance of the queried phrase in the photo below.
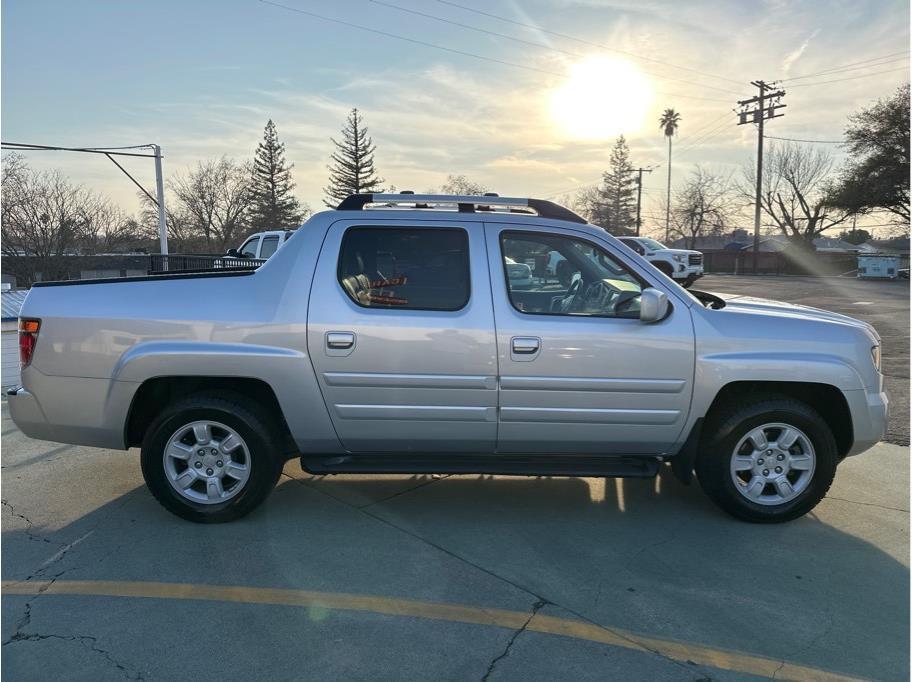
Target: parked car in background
(520, 274)
(385, 340)
(261, 245)
(682, 265)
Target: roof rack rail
(464, 203)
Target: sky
(527, 102)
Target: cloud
(795, 55)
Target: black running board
(507, 465)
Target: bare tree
(702, 207)
(459, 184)
(796, 191)
(214, 198)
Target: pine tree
(617, 193)
(272, 204)
(352, 171)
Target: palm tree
(668, 123)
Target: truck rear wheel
(212, 457)
(767, 461)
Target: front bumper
(870, 412)
(687, 272)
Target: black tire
(664, 268)
(259, 431)
(722, 434)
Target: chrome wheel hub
(207, 462)
(773, 464)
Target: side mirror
(233, 253)
(653, 305)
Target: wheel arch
(154, 393)
(826, 399)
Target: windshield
(652, 244)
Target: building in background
(9, 337)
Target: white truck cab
(682, 265)
(262, 244)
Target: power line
(584, 41)
(704, 137)
(851, 66)
(111, 152)
(834, 72)
(452, 50)
(792, 139)
(529, 42)
(848, 78)
(22, 147)
(702, 129)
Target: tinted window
(406, 268)
(270, 244)
(633, 245)
(567, 277)
(249, 248)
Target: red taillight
(28, 337)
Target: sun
(603, 97)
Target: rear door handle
(525, 345)
(340, 340)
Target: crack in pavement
(536, 607)
(403, 492)
(28, 524)
(831, 623)
(88, 641)
(634, 641)
(867, 504)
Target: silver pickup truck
(387, 337)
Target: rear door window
(411, 268)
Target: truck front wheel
(767, 461)
(211, 457)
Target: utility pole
(160, 194)
(639, 172)
(765, 106)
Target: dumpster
(878, 266)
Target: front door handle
(340, 340)
(526, 345)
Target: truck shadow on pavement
(646, 556)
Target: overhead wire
(452, 50)
(851, 66)
(584, 41)
(848, 78)
(531, 43)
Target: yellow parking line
(319, 602)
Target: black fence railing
(161, 264)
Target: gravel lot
(463, 577)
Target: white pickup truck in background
(261, 245)
(682, 265)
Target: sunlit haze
(603, 97)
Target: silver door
(572, 381)
(397, 379)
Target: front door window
(557, 275)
